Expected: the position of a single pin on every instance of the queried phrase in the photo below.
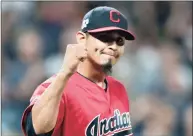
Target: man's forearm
(45, 112)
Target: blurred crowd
(156, 68)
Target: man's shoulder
(45, 84)
(115, 82)
(117, 88)
(42, 87)
(48, 81)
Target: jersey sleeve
(34, 99)
(30, 129)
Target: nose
(113, 46)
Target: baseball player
(82, 99)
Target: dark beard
(107, 68)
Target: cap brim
(128, 35)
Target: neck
(91, 71)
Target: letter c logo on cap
(114, 16)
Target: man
(82, 99)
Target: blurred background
(156, 69)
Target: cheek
(94, 45)
(94, 49)
(99, 46)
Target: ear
(80, 37)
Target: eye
(120, 41)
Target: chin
(107, 67)
(106, 61)
(109, 61)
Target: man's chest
(97, 114)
